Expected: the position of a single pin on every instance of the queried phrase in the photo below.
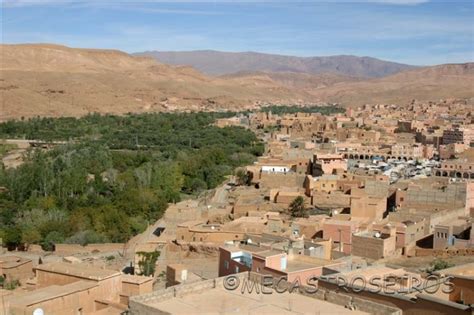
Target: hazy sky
(411, 31)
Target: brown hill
(295, 80)
(52, 80)
(430, 83)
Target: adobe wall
(369, 247)
(64, 305)
(70, 249)
(367, 207)
(46, 278)
(463, 290)
(336, 200)
(190, 235)
(107, 289)
(276, 180)
(453, 196)
(439, 217)
(131, 289)
(20, 272)
(444, 252)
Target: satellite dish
(249, 241)
(377, 234)
(335, 211)
(38, 311)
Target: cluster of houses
(377, 184)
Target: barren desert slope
(53, 80)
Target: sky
(418, 32)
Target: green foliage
(11, 236)
(11, 285)
(86, 237)
(297, 208)
(147, 262)
(439, 264)
(115, 175)
(51, 239)
(2, 281)
(242, 176)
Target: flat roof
(383, 272)
(268, 253)
(136, 279)
(221, 301)
(296, 264)
(78, 270)
(12, 261)
(464, 271)
(51, 292)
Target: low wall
(420, 305)
(444, 252)
(334, 297)
(70, 249)
(138, 304)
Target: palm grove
(115, 175)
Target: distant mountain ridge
(221, 63)
(54, 80)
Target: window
(182, 237)
(226, 264)
(194, 239)
(236, 269)
(258, 269)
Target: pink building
(273, 263)
(327, 163)
(341, 233)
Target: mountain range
(220, 63)
(54, 80)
